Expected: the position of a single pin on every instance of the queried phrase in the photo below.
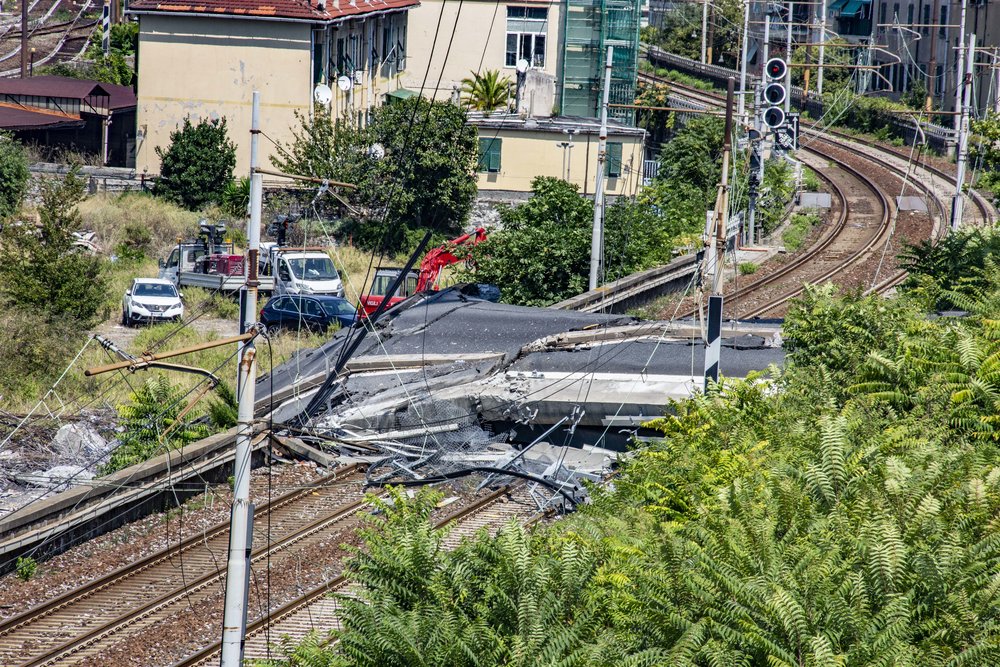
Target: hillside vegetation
(841, 511)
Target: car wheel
(124, 318)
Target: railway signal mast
(962, 149)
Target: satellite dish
(522, 66)
(322, 94)
(376, 151)
(344, 83)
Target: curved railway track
(73, 38)
(840, 252)
(69, 628)
(319, 608)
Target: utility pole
(106, 28)
(809, 40)
(788, 56)
(958, 202)
(756, 141)
(597, 235)
(241, 520)
(822, 46)
(932, 65)
(704, 30)
(960, 69)
(742, 103)
(716, 243)
(711, 31)
(24, 39)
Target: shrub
(198, 164)
(798, 229)
(13, 176)
(25, 566)
(747, 268)
(40, 268)
(33, 350)
(114, 217)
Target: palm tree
(487, 91)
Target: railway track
(70, 628)
(73, 38)
(319, 608)
(864, 223)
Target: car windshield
(338, 307)
(313, 268)
(154, 289)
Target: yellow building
(205, 61)
(489, 35)
(513, 150)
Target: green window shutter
(489, 154)
(613, 160)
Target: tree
(41, 268)
(13, 176)
(487, 91)
(986, 153)
(414, 165)
(198, 164)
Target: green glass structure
(590, 27)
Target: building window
(944, 21)
(927, 19)
(895, 12)
(909, 15)
(527, 28)
(613, 160)
(489, 154)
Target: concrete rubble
(555, 383)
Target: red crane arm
(442, 256)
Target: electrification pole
(960, 68)
(597, 235)
(822, 47)
(704, 30)
(717, 241)
(788, 57)
(234, 622)
(742, 102)
(24, 39)
(932, 65)
(958, 202)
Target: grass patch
(747, 268)
(798, 229)
(110, 216)
(684, 79)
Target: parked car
(151, 300)
(309, 312)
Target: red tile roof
(299, 10)
(13, 117)
(120, 97)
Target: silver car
(151, 300)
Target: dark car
(307, 312)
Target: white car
(151, 300)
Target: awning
(853, 8)
(401, 94)
(23, 118)
(837, 5)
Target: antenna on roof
(321, 5)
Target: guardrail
(636, 289)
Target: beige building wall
(209, 68)
(480, 36)
(206, 67)
(527, 154)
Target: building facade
(514, 150)
(565, 41)
(205, 61)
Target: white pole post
(106, 28)
(822, 46)
(958, 201)
(704, 30)
(996, 70)
(960, 68)
(788, 58)
(241, 520)
(597, 235)
(741, 103)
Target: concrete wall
(480, 36)
(525, 154)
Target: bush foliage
(13, 176)
(197, 165)
(841, 511)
